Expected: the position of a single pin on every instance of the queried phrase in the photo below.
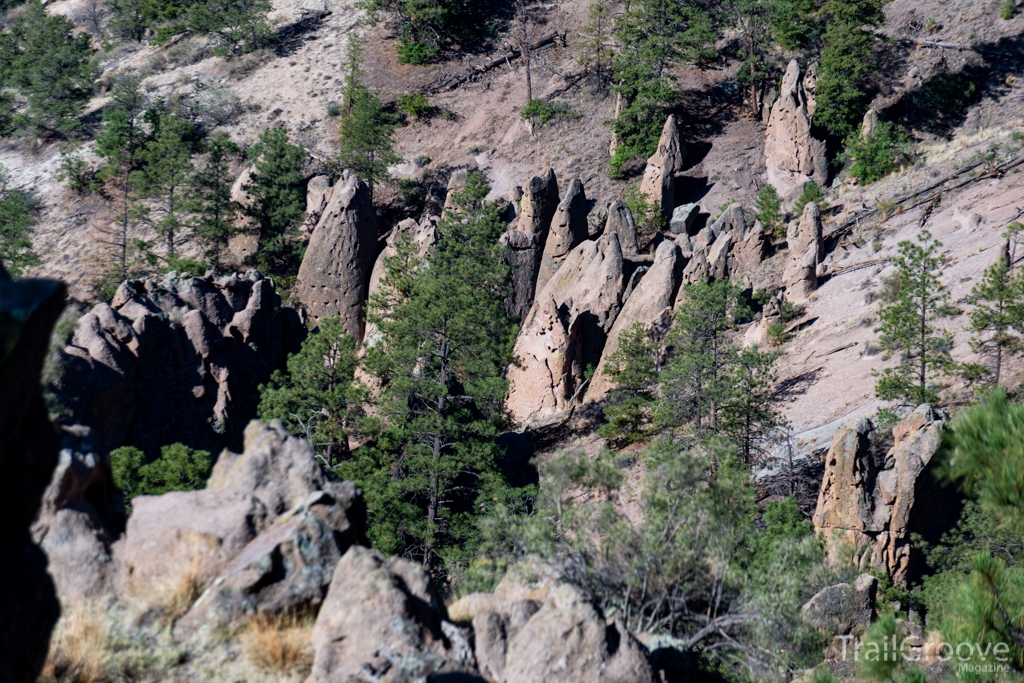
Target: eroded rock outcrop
(659, 181)
(567, 328)
(649, 304)
(843, 608)
(526, 241)
(806, 250)
(568, 228)
(383, 621)
(264, 535)
(177, 359)
(28, 455)
(318, 196)
(793, 156)
(620, 223)
(81, 517)
(335, 273)
(873, 503)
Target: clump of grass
(279, 643)
(79, 650)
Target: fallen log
(451, 83)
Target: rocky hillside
(505, 399)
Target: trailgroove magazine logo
(970, 657)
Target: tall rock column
(568, 228)
(335, 273)
(28, 456)
(800, 277)
(526, 240)
(793, 157)
(659, 181)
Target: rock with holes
(792, 155)
(659, 181)
(649, 305)
(318, 196)
(566, 329)
(335, 273)
(382, 621)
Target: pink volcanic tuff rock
(792, 155)
(620, 222)
(659, 181)
(649, 305)
(526, 240)
(335, 273)
(567, 328)
(568, 228)
(800, 277)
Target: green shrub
(777, 335)
(416, 52)
(179, 468)
(811, 193)
(877, 155)
(541, 112)
(1008, 10)
(333, 108)
(415, 105)
(768, 210)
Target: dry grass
(79, 650)
(279, 643)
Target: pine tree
(16, 221)
(846, 62)
(127, 21)
(594, 51)
(277, 191)
(908, 329)
(211, 195)
(365, 143)
(236, 21)
(633, 371)
(444, 343)
(751, 413)
(165, 179)
(52, 67)
(121, 143)
(768, 210)
(998, 315)
(695, 382)
(318, 397)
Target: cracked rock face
(566, 329)
(875, 504)
(792, 155)
(659, 181)
(804, 238)
(177, 359)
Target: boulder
(175, 359)
(659, 181)
(382, 621)
(29, 446)
(843, 609)
(800, 278)
(649, 305)
(620, 222)
(792, 154)
(566, 329)
(568, 228)
(265, 532)
(334, 276)
(683, 218)
(874, 505)
(318, 196)
(718, 256)
(748, 253)
(567, 639)
(81, 517)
